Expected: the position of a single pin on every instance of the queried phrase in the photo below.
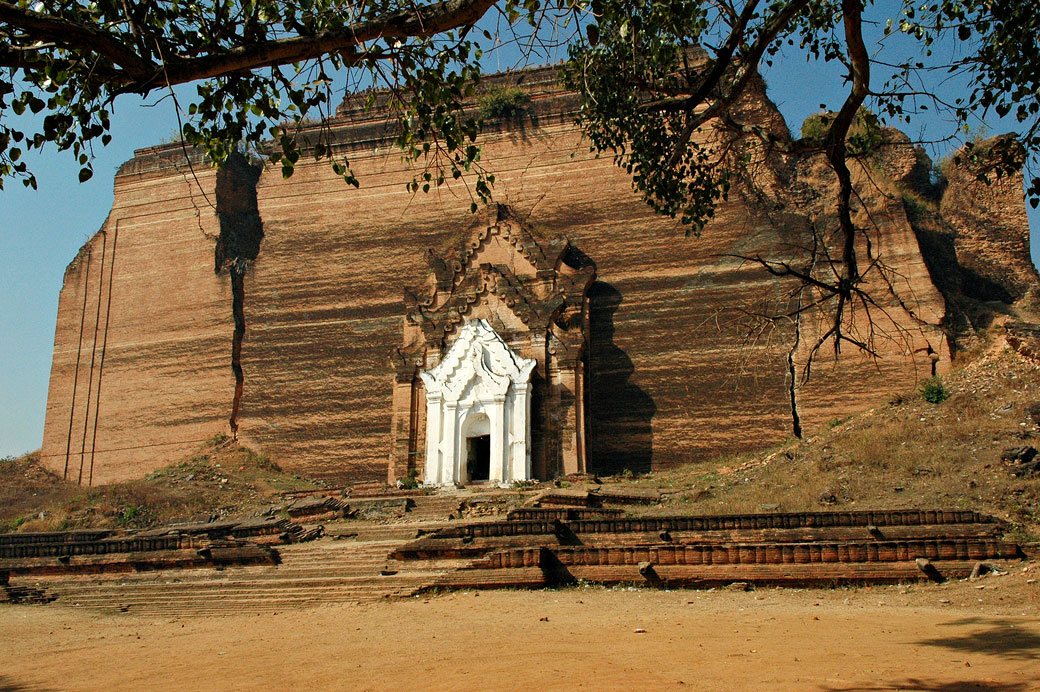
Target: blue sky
(42, 231)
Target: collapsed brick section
(241, 231)
(990, 229)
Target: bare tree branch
(139, 74)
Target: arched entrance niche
(476, 432)
(498, 330)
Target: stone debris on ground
(1021, 461)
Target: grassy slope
(908, 454)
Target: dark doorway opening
(478, 458)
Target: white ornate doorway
(478, 411)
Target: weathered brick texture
(673, 377)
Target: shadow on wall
(620, 434)
(951, 278)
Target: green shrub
(11, 525)
(933, 391)
(411, 482)
(864, 137)
(265, 463)
(503, 103)
(814, 128)
(133, 516)
(916, 207)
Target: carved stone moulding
(490, 379)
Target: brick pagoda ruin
(644, 365)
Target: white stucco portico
(478, 411)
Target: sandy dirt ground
(978, 635)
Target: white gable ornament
(478, 411)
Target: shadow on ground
(9, 685)
(998, 637)
(994, 637)
(915, 684)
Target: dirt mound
(222, 479)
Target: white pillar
(449, 435)
(529, 474)
(434, 425)
(499, 438)
(520, 431)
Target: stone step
(284, 592)
(224, 576)
(207, 610)
(203, 590)
(975, 538)
(379, 533)
(325, 571)
(334, 558)
(352, 569)
(702, 576)
(313, 566)
(340, 545)
(196, 609)
(246, 596)
(339, 551)
(270, 579)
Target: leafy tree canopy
(651, 72)
(662, 80)
(659, 81)
(260, 63)
(261, 67)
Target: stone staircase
(438, 508)
(423, 509)
(782, 549)
(400, 555)
(320, 572)
(349, 565)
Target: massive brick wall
(140, 374)
(674, 377)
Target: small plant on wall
(411, 482)
(503, 103)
